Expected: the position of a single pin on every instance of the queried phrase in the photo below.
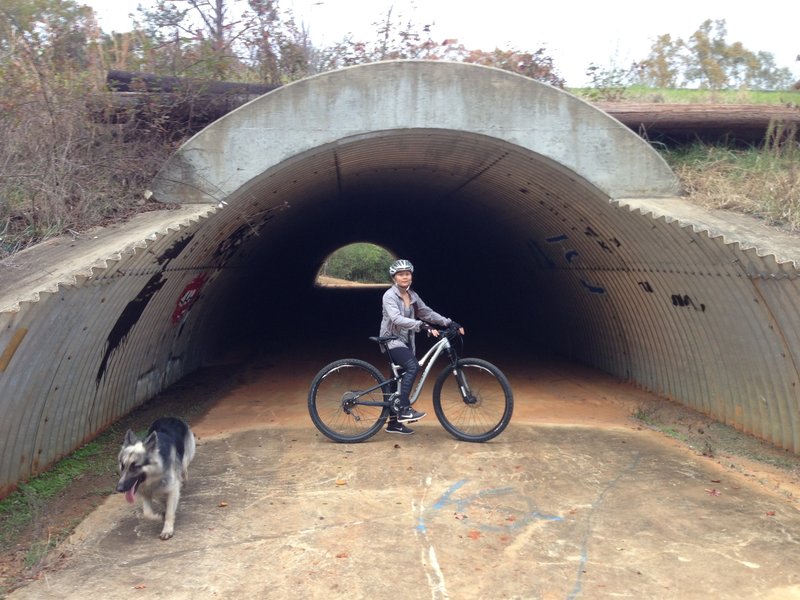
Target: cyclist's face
(403, 278)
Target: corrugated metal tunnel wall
(530, 212)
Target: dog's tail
(189, 445)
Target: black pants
(405, 358)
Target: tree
(362, 262)
(662, 67)
(763, 73)
(707, 60)
(194, 37)
(61, 168)
(225, 40)
(47, 31)
(707, 55)
(536, 65)
(401, 38)
(279, 50)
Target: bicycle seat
(384, 339)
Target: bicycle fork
(463, 386)
(461, 378)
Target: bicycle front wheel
(335, 401)
(473, 400)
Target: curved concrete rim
(407, 95)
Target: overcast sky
(575, 34)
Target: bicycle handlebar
(450, 331)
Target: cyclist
(404, 314)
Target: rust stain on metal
(11, 348)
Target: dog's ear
(151, 442)
(130, 438)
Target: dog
(156, 467)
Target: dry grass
(63, 169)
(761, 182)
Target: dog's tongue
(130, 495)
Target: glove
(425, 328)
(454, 325)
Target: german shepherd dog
(156, 468)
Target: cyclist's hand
(457, 326)
(429, 330)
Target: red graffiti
(189, 295)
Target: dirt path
(261, 462)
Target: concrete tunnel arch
(572, 221)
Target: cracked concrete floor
(573, 500)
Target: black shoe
(408, 414)
(395, 427)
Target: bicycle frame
(427, 362)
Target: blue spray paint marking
(595, 289)
(439, 504)
(557, 238)
(596, 506)
(446, 496)
(461, 505)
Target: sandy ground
(576, 499)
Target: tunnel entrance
(537, 221)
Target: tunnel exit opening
(359, 263)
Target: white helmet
(400, 265)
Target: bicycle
(350, 400)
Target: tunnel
(545, 226)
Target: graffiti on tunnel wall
(188, 297)
(572, 256)
(684, 300)
(133, 311)
(190, 294)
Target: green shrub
(361, 262)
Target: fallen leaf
(770, 513)
(141, 586)
(460, 516)
(341, 482)
(474, 535)
(222, 504)
(343, 555)
(716, 480)
(714, 492)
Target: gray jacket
(395, 323)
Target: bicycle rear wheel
(334, 400)
(479, 412)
